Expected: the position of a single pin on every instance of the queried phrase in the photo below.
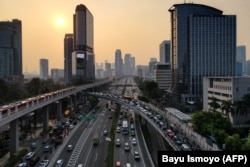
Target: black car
(34, 161)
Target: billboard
(80, 61)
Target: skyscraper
(68, 49)
(203, 43)
(83, 58)
(118, 63)
(165, 52)
(127, 65)
(11, 50)
(132, 62)
(241, 57)
(44, 68)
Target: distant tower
(241, 57)
(118, 63)
(165, 52)
(44, 69)
(83, 58)
(68, 49)
(127, 65)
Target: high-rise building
(68, 49)
(44, 68)
(11, 50)
(127, 64)
(118, 63)
(83, 58)
(57, 74)
(108, 72)
(203, 43)
(132, 62)
(165, 52)
(241, 57)
(162, 76)
(151, 66)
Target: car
(59, 163)
(118, 142)
(136, 155)
(29, 155)
(126, 147)
(69, 147)
(44, 163)
(23, 164)
(134, 142)
(71, 126)
(177, 140)
(34, 161)
(132, 133)
(105, 133)
(118, 129)
(117, 164)
(44, 141)
(33, 146)
(47, 148)
(80, 165)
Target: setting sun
(59, 21)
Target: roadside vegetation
(210, 123)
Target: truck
(95, 139)
(125, 127)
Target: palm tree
(214, 104)
(226, 105)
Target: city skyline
(117, 25)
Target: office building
(241, 58)
(151, 66)
(11, 50)
(57, 74)
(83, 58)
(203, 43)
(108, 72)
(44, 69)
(132, 62)
(68, 49)
(165, 52)
(118, 63)
(162, 76)
(227, 88)
(127, 65)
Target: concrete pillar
(14, 137)
(75, 102)
(45, 110)
(59, 110)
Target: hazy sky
(134, 26)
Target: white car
(71, 127)
(69, 147)
(30, 155)
(59, 163)
(134, 142)
(44, 163)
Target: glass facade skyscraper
(203, 43)
(68, 49)
(11, 50)
(83, 45)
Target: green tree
(33, 87)
(214, 104)
(234, 143)
(226, 107)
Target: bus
(125, 127)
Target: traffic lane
(65, 155)
(87, 155)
